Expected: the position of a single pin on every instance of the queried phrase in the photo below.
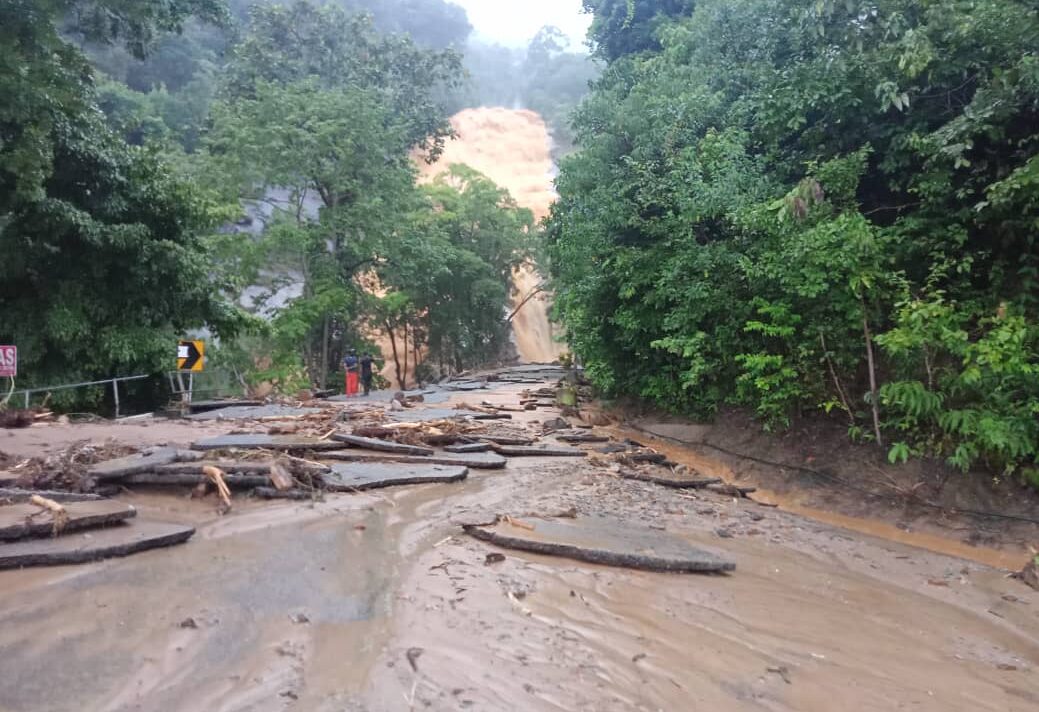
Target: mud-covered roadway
(379, 602)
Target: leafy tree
(304, 41)
(622, 27)
(104, 265)
(774, 198)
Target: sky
(514, 22)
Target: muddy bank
(813, 469)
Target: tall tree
(773, 203)
(103, 261)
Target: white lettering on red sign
(8, 361)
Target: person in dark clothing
(367, 363)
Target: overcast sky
(514, 22)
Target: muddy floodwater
(378, 601)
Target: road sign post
(191, 356)
(191, 359)
(8, 361)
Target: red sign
(8, 361)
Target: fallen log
(673, 482)
(281, 477)
(381, 445)
(732, 490)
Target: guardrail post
(27, 400)
(115, 392)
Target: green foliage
(767, 191)
(104, 262)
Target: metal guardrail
(114, 381)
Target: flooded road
(378, 602)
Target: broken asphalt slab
(81, 547)
(603, 540)
(381, 445)
(254, 413)
(352, 477)
(674, 482)
(264, 442)
(537, 451)
(19, 521)
(468, 448)
(134, 464)
(206, 406)
(476, 461)
(188, 480)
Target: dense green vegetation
(103, 257)
(119, 190)
(805, 206)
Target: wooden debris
(217, 476)
(381, 445)
(59, 514)
(732, 490)
(674, 482)
(281, 477)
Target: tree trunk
(323, 380)
(874, 391)
(393, 348)
(404, 383)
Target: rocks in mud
(1030, 573)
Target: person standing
(367, 363)
(352, 367)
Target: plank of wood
(476, 461)
(281, 477)
(19, 521)
(673, 482)
(77, 548)
(381, 445)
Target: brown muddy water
(378, 602)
